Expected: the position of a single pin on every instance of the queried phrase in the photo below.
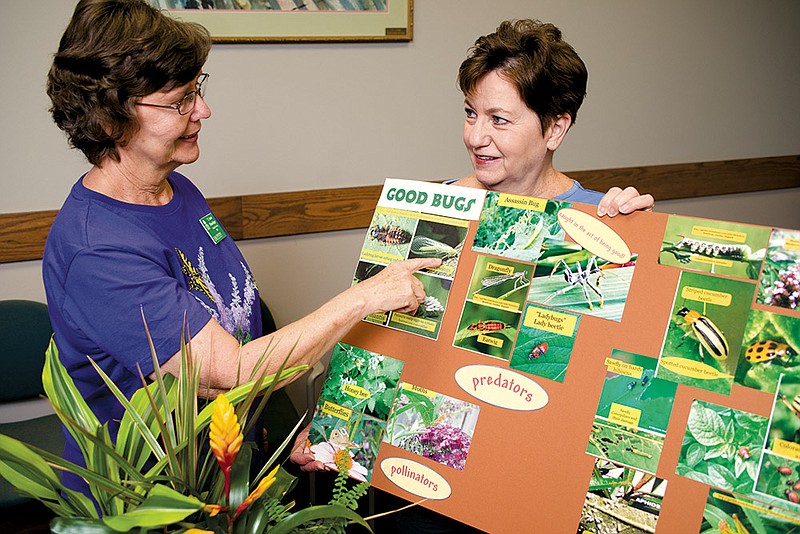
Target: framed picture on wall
(286, 21)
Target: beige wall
(669, 82)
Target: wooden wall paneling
(22, 235)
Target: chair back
(25, 333)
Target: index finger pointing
(416, 264)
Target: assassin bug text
(707, 333)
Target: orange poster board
(527, 468)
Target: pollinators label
(792, 244)
(416, 478)
(355, 391)
(623, 368)
(624, 415)
(718, 233)
(525, 203)
(698, 294)
(550, 321)
(335, 410)
(787, 449)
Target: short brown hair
(112, 53)
(547, 72)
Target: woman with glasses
(136, 240)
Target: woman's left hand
(624, 201)
(302, 456)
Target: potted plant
(173, 467)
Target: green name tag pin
(213, 228)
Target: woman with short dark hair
(523, 85)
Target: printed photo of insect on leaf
(545, 342)
(581, 282)
(715, 247)
(770, 349)
(487, 330)
(388, 237)
(705, 330)
(516, 232)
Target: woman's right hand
(395, 288)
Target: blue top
(577, 193)
(108, 263)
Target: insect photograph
(626, 445)
(621, 499)
(432, 425)
(630, 387)
(736, 513)
(487, 330)
(365, 270)
(335, 440)
(362, 380)
(427, 320)
(514, 232)
(721, 446)
(769, 349)
(499, 282)
(705, 331)
(545, 350)
(779, 283)
(715, 247)
(388, 237)
(434, 239)
(588, 285)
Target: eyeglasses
(186, 104)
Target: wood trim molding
(324, 210)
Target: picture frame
(392, 21)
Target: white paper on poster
(439, 199)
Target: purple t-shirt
(107, 263)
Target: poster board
(536, 439)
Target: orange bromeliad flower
(263, 485)
(225, 436)
(213, 509)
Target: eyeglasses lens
(187, 103)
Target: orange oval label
(594, 235)
(501, 387)
(416, 478)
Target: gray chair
(25, 414)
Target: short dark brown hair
(112, 53)
(547, 72)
